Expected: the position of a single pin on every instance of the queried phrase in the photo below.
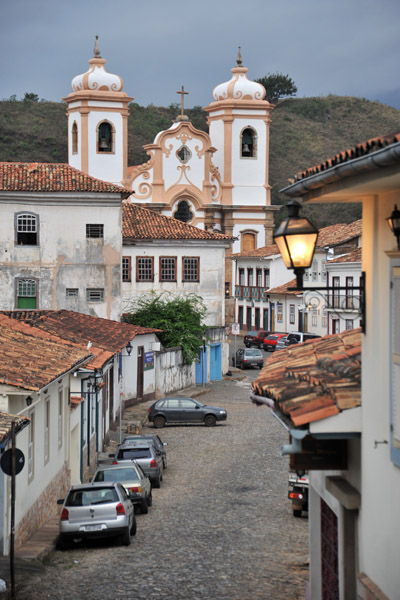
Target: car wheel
(297, 513)
(159, 421)
(144, 507)
(157, 483)
(126, 537)
(150, 500)
(210, 420)
(133, 528)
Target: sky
(341, 47)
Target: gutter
(385, 157)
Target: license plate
(92, 527)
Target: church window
(184, 154)
(105, 138)
(144, 268)
(167, 268)
(248, 241)
(183, 212)
(94, 230)
(126, 268)
(26, 293)
(248, 143)
(74, 138)
(190, 268)
(27, 229)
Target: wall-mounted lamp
(394, 224)
(129, 348)
(296, 238)
(28, 400)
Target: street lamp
(129, 348)
(296, 238)
(394, 224)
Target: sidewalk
(30, 557)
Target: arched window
(105, 139)
(248, 240)
(26, 229)
(183, 212)
(248, 143)
(26, 293)
(74, 138)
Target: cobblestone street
(221, 526)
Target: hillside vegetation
(304, 132)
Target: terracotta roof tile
(104, 334)
(140, 223)
(51, 177)
(352, 257)
(30, 359)
(283, 289)
(6, 421)
(362, 149)
(314, 380)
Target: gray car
(134, 480)
(144, 455)
(153, 439)
(96, 510)
(248, 357)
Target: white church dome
(97, 78)
(239, 87)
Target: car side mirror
(165, 443)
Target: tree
(180, 318)
(277, 86)
(29, 97)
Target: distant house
(354, 518)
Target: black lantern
(129, 348)
(394, 224)
(296, 238)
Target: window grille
(184, 154)
(95, 295)
(191, 269)
(144, 268)
(94, 231)
(168, 269)
(72, 292)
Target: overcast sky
(343, 47)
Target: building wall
(64, 258)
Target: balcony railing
(342, 302)
(249, 292)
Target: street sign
(5, 461)
(235, 328)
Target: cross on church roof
(182, 93)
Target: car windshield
(86, 497)
(253, 352)
(116, 475)
(134, 453)
(149, 440)
(272, 337)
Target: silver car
(134, 480)
(146, 455)
(96, 510)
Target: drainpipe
(82, 421)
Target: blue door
(215, 362)
(201, 367)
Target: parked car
(96, 510)
(154, 439)
(144, 455)
(281, 343)
(255, 338)
(298, 337)
(248, 357)
(298, 492)
(270, 342)
(134, 480)
(184, 410)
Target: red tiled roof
(357, 151)
(283, 289)
(314, 380)
(143, 224)
(51, 177)
(355, 256)
(263, 252)
(105, 334)
(6, 421)
(31, 359)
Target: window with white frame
(31, 446)
(259, 277)
(314, 318)
(324, 318)
(126, 268)
(249, 277)
(266, 278)
(60, 418)
(190, 268)
(27, 229)
(292, 314)
(26, 293)
(46, 430)
(279, 312)
(241, 277)
(349, 324)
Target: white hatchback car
(96, 510)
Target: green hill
(304, 132)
